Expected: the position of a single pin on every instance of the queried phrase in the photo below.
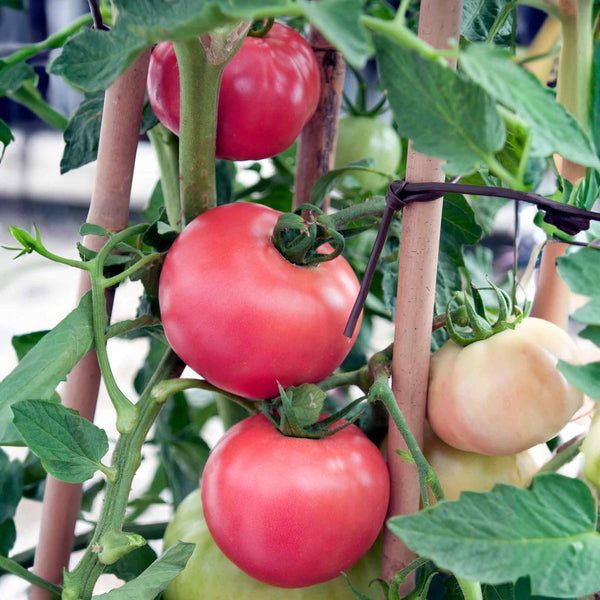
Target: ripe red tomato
(294, 512)
(269, 91)
(245, 318)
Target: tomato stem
(13, 567)
(263, 30)
(199, 84)
(166, 146)
(80, 582)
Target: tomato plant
(502, 395)
(368, 137)
(269, 91)
(459, 471)
(273, 503)
(210, 574)
(271, 321)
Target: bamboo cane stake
(109, 208)
(316, 145)
(438, 23)
(552, 296)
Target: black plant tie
(569, 219)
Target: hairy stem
(13, 567)
(126, 459)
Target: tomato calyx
(262, 29)
(301, 235)
(478, 320)
(297, 412)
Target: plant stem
(56, 40)
(199, 84)
(381, 390)
(126, 459)
(11, 566)
(398, 32)
(39, 108)
(170, 387)
(166, 146)
(370, 208)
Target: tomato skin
(294, 512)
(367, 137)
(459, 471)
(209, 574)
(245, 318)
(502, 395)
(269, 91)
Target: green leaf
(46, 365)
(459, 228)
(307, 402)
(8, 537)
(6, 137)
(548, 533)
(93, 59)
(12, 77)
(11, 484)
(584, 377)
(24, 343)
(155, 578)
(445, 115)
(156, 20)
(93, 229)
(581, 271)
(589, 313)
(339, 22)
(592, 333)
(553, 128)
(83, 133)
(69, 446)
(131, 565)
(324, 184)
(479, 16)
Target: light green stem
(400, 33)
(126, 459)
(39, 108)
(10, 566)
(574, 79)
(166, 146)
(471, 589)
(199, 82)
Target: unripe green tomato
(459, 471)
(210, 575)
(591, 452)
(367, 137)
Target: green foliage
(155, 578)
(11, 484)
(479, 17)
(69, 446)
(93, 59)
(534, 104)
(13, 77)
(547, 532)
(442, 113)
(46, 365)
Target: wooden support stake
(316, 145)
(109, 208)
(438, 23)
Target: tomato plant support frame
(439, 22)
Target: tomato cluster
(269, 91)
